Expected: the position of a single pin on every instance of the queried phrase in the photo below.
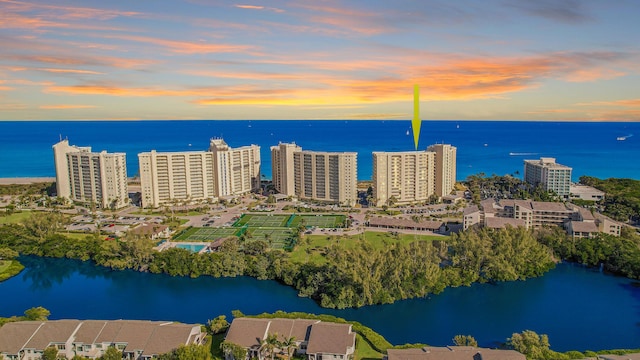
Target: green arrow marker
(416, 122)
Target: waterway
(578, 308)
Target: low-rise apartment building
(578, 222)
(316, 339)
(140, 340)
(453, 353)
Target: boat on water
(623, 138)
(407, 132)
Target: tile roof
(330, 338)
(584, 227)
(247, 332)
(502, 222)
(13, 336)
(454, 353)
(405, 223)
(470, 210)
(57, 331)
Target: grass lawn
(15, 217)
(314, 251)
(9, 268)
(4, 265)
(364, 351)
(75, 236)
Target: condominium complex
(193, 176)
(314, 175)
(282, 167)
(99, 179)
(413, 176)
(90, 339)
(445, 168)
(579, 222)
(403, 177)
(551, 175)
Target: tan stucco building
(98, 178)
(315, 175)
(196, 176)
(551, 175)
(413, 176)
(403, 177)
(445, 168)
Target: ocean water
(491, 147)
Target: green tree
(464, 340)
(288, 345)
(188, 352)
(218, 324)
(111, 354)
(50, 353)
(236, 351)
(269, 345)
(533, 346)
(37, 314)
(8, 254)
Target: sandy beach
(29, 180)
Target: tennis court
(206, 234)
(279, 238)
(262, 220)
(321, 221)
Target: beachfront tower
(329, 177)
(551, 175)
(170, 178)
(445, 168)
(403, 177)
(90, 178)
(282, 170)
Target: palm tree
(288, 344)
(269, 345)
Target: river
(578, 308)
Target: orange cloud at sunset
(319, 59)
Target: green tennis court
(321, 221)
(207, 234)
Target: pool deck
(171, 244)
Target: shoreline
(25, 180)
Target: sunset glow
(192, 59)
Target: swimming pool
(191, 247)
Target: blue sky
(197, 59)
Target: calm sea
(492, 147)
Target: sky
(320, 59)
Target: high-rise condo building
(282, 167)
(315, 175)
(445, 165)
(195, 176)
(403, 177)
(88, 177)
(413, 176)
(553, 176)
